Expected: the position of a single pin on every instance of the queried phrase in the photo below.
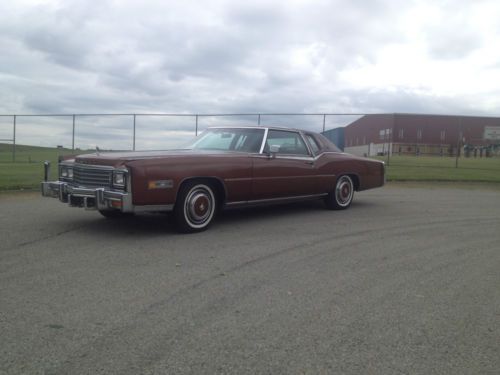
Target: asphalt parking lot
(407, 281)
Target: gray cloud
(455, 36)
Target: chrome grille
(92, 176)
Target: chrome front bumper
(89, 198)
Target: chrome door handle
(309, 162)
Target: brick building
(422, 135)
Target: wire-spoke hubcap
(344, 191)
(199, 206)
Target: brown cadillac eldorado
(224, 167)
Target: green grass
(435, 168)
(27, 171)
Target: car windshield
(229, 139)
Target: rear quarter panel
(370, 173)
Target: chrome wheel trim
(199, 206)
(344, 191)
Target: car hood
(119, 158)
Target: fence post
(73, 135)
(324, 122)
(391, 140)
(258, 120)
(388, 147)
(14, 140)
(458, 140)
(196, 130)
(133, 136)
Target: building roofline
(439, 115)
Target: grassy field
(435, 168)
(27, 171)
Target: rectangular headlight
(66, 172)
(119, 178)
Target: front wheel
(341, 197)
(195, 207)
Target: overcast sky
(145, 56)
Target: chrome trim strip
(288, 177)
(128, 188)
(154, 208)
(93, 166)
(253, 127)
(316, 157)
(311, 154)
(285, 156)
(61, 193)
(277, 200)
(305, 158)
(266, 130)
(236, 127)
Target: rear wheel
(341, 197)
(195, 206)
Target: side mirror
(273, 150)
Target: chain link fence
(133, 131)
(142, 131)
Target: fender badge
(160, 184)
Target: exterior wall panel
(419, 134)
(336, 136)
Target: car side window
(240, 139)
(250, 141)
(218, 140)
(290, 143)
(313, 143)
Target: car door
(289, 172)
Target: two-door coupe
(224, 167)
